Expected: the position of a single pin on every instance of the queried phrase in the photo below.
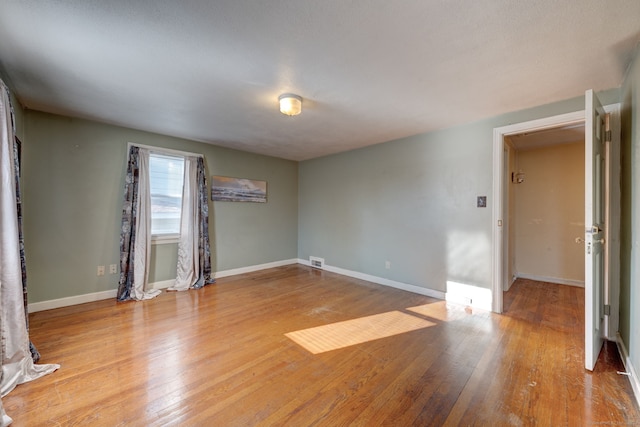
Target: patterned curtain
(17, 354)
(204, 249)
(35, 355)
(129, 218)
(135, 233)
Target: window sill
(164, 239)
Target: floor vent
(316, 262)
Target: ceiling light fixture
(290, 104)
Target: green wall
(411, 202)
(630, 220)
(72, 180)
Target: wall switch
(113, 269)
(387, 265)
(101, 270)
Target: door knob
(579, 240)
(594, 229)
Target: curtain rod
(163, 150)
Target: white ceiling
(369, 70)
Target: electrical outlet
(387, 265)
(113, 269)
(101, 270)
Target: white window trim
(162, 239)
(161, 150)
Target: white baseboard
(164, 284)
(253, 268)
(225, 273)
(81, 299)
(456, 292)
(97, 296)
(568, 282)
(380, 280)
(633, 377)
(471, 294)
(74, 300)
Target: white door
(595, 117)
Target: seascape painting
(226, 189)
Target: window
(166, 174)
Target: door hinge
(607, 128)
(607, 310)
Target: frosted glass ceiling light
(290, 104)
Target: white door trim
(612, 221)
(613, 215)
(498, 188)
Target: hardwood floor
(219, 357)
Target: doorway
(500, 206)
(544, 206)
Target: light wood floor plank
(219, 357)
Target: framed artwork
(227, 189)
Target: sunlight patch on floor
(356, 331)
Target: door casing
(612, 215)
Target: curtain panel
(35, 355)
(194, 251)
(204, 248)
(188, 260)
(135, 233)
(15, 349)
